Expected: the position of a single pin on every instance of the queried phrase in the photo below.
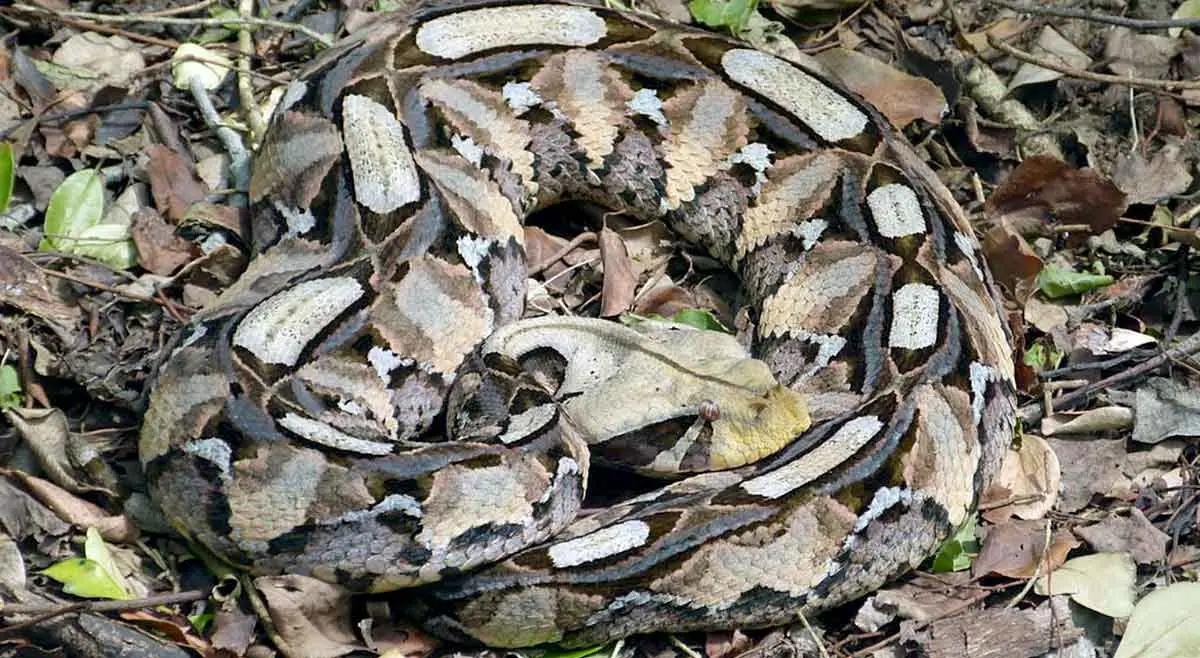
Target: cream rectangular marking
(469, 32)
(603, 543)
(896, 210)
(914, 316)
(328, 435)
(824, 110)
(277, 330)
(385, 176)
(833, 451)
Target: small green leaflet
(575, 653)
(10, 387)
(92, 577)
(731, 14)
(957, 552)
(75, 223)
(700, 318)
(1056, 282)
(8, 171)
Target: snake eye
(710, 411)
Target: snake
(372, 405)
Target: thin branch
(42, 612)
(1083, 14)
(93, 26)
(105, 606)
(176, 11)
(322, 39)
(245, 44)
(1129, 81)
(1031, 413)
(75, 114)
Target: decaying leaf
(311, 616)
(1165, 409)
(1092, 421)
(1130, 532)
(619, 280)
(1046, 189)
(901, 97)
(1054, 48)
(1019, 549)
(1031, 475)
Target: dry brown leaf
(726, 643)
(1032, 477)
(1089, 467)
(920, 598)
(118, 529)
(1017, 548)
(24, 287)
(1130, 53)
(1163, 176)
(1092, 421)
(901, 98)
(1052, 192)
(312, 617)
(1052, 47)
(1130, 532)
(1011, 260)
(175, 629)
(173, 182)
(233, 629)
(616, 296)
(159, 249)
(665, 301)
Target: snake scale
(366, 406)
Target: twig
(109, 289)
(1031, 413)
(245, 45)
(322, 39)
(105, 606)
(93, 26)
(586, 236)
(239, 158)
(1130, 81)
(76, 113)
(1067, 12)
(186, 9)
(42, 612)
(813, 634)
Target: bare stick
(1130, 81)
(1082, 14)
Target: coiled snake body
(291, 429)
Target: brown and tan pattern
(367, 405)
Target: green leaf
(97, 551)
(1187, 9)
(574, 653)
(1056, 282)
(10, 387)
(85, 578)
(957, 552)
(8, 172)
(76, 205)
(201, 621)
(1035, 356)
(732, 14)
(74, 223)
(1163, 624)
(223, 32)
(699, 318)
